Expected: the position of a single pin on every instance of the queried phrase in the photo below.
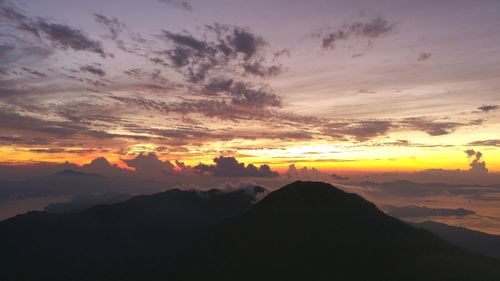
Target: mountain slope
(475, 241)
(44, 244)
(310, 230)
(303, 231)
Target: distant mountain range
(72, 173)
(303, 231)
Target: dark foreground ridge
(303, 231)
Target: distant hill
(73, 173)
(303, 231)
(474, 241)
(80, 203)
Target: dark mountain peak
(73, 173)
(310, 196)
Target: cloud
(488, 107)
(242, 93)
(303, 173)
(253, 189)
(258, 69)
(493, 142)
(34, 72)
(359, 130)
(338, 177)
(11, 14)
(67, 37)
(230, 167)
(424, 56)
(115, 27)
(368, 30)
(476, 164)
(93, 69)
(222, 48)
(180, 4)
(241, 107)
(435, 128)
(12, 56)
(102, 166)
(217, 85)
(422, 211)
(15, 121)
(246, 94)
(150, 164)
(60, 35)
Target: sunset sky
(351, 86)
(398, 101)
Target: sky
(365, 90)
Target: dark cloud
(114, 26)
(246, 42)
(93, 69)
(102, 166)
(435, 128)
(424, 56)
(247, 95)
(217, 85)
(369, 30)
(67, 37)
(359, 130)
(221, 44)
(5, 51)
(16, 121)
(230, 167)
(243, 106)
(12, 56)
(155, 76)
(282, 52)
(422, 211)
(488, 107)
(493, 142)
(60, 35)
(180, 4)
(34, 72)
(258, 69)
(25, 140)
(11, 14)
(150, 164)
(47, 150)
(242, 93)
(477, 165)
(338, 177)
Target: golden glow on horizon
(324, 157)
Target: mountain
(303, 231)
(55, 245)
(73, 173)
(82, 202)
(474, 241)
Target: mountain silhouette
(73, 173)
(303, 231)
(475, 241)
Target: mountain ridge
(305, 230)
